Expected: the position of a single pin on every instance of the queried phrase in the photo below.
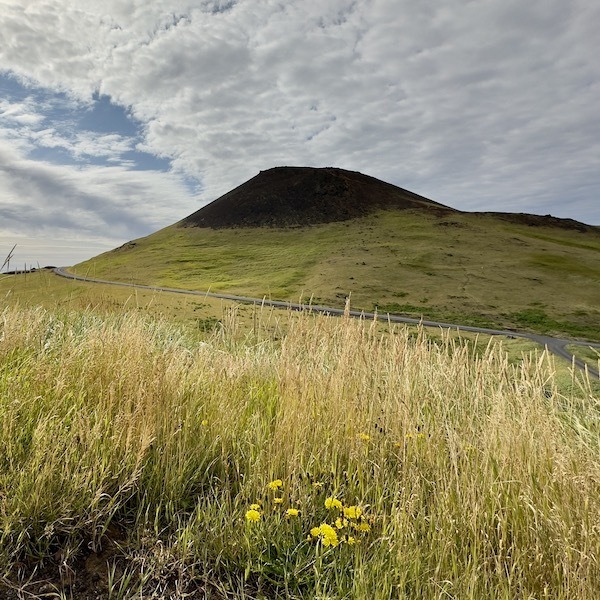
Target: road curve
(556, 346)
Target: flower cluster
(346, 523)
(326, 534)
(333, 503)
(254, 514)
(350, 518)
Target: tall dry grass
(476, 478)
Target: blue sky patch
(10, 88)
(105, 117)
(55, 156)
(61, 130)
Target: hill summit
(297, 196)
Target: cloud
(85, 143)
(20, 113)
(479, 105)
(97, 201)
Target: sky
(120, 117)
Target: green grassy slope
(465, 268)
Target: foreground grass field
(465, 268)
(338, 461)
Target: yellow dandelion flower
(252, 515)
(341, 523)
(275, 485)
(328, 535)
(365, 437)
(364, 527)
(204, 422)
(292, 512)
(351, 541)
(353, 512)
(332, 503)
(278, 500)
(315, 532)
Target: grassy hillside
(381, 464)
(465, 268)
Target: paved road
(557, 346)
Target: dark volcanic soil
(296, 196)
(543, 221)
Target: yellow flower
(328, 535)
(204, 422)
(365, 437)
(255, 507)
(252, 516)
(292, 512)
(275, 485)
(315, 532)
(332, 503)
(278, 500)
(341, 523)
(351, 541)
(364, 527)
(352, 512)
